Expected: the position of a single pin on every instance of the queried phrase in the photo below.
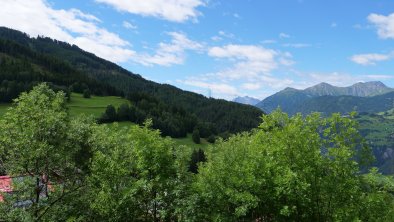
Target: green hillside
(77, 105)
(378, 130)
(31, 60)
(96, 105)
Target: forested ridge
(26, 61)
(288, 169)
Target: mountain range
(246, 100)
(325, 98)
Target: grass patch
(95, 105)
(78, 105)
(3, 108)
(188, 141)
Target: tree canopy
(287, 169)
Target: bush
(86, 93)
(211, 139)
(196, 136)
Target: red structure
(5, 186)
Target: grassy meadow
(96, 105)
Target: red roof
(5, 186)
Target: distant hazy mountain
(293, 100)
(246, 100)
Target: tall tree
(39, 144)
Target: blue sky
(229, 47)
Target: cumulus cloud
(370, 59)
(250, 68)
(249, 61)
(172, 53)
(384, 25)
(171, 10)
(36, 17)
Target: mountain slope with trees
(328, 99)
(90, 71)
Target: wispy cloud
(283, 35)
(129, 25)
(269, 41)
(37, 17)
(384, 25)
(297, 45)
(171, 53)
(174, 10)
(334, 25)
(371, 58)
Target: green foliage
(196, 136)
(211, 139)
(378, 130)
(290, 169)
(39, 143)
(136, 179)
(86, 94)
(198, 156)
(109, 115)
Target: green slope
(96, 105)
(378, 130)
(224, 115)
(78, 105)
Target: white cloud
(370, 59)
(216, 38)
(384, 24)
(227, 35)
(284, 35)
(168, 54)
(379, 77)
(171, 10)
(334, 25)
(128, 25)
(297, 45)
(250, 69)
(36, 17)
(220, 89)
(269, 41)
(221, 35)
(249, 60)
(251, 86)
